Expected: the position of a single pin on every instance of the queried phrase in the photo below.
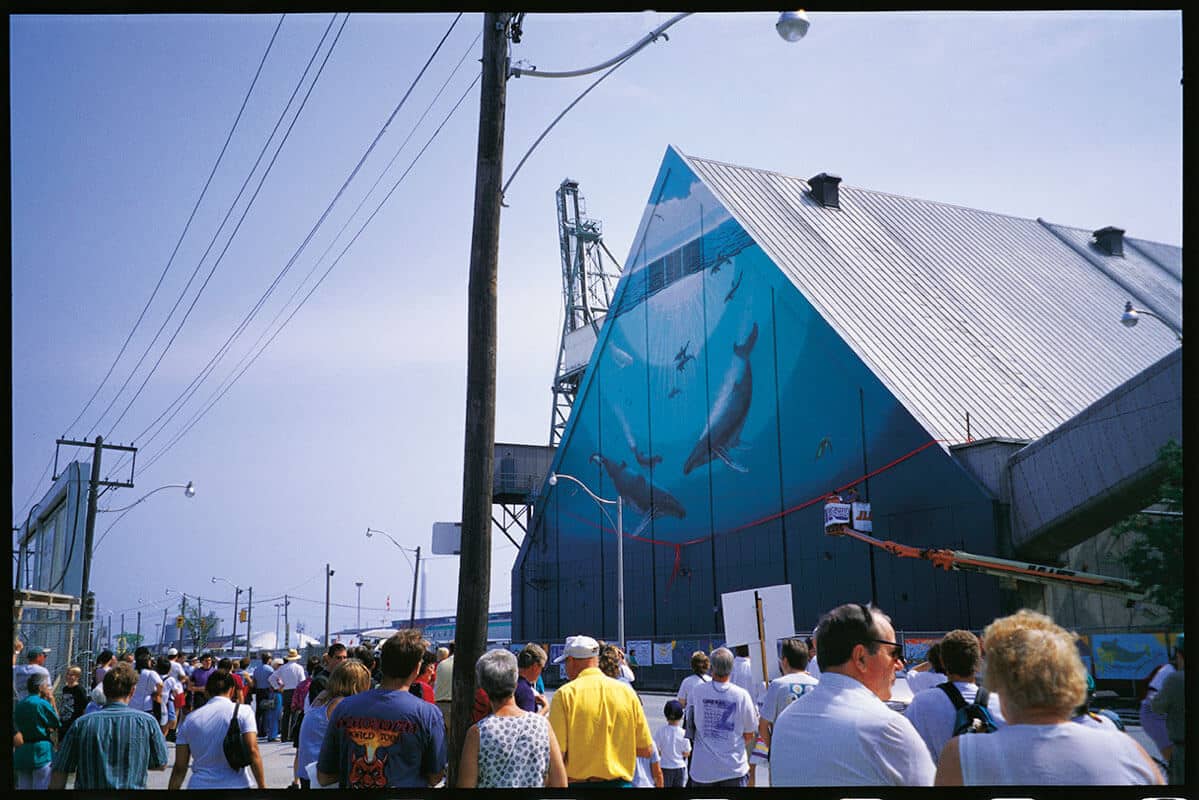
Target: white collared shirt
(841, 734)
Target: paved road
(278, 757)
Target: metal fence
(57, 629)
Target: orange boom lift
(838, 521)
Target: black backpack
(971, 717)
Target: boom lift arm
(1001, 567)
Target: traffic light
(89, 606)
(242, 615)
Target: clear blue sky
(353, 416)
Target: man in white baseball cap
(599, 722)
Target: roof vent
(824, 189)
(1110, 240)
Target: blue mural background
(717, 402)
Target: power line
(245, 211)
(187, 226)
(222, 393)
(186, 395)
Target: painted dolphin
(652, 501)
(644, 460)
(727, 417)
(736, 283)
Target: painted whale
(652, 501)
(727, 417)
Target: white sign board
(838, 514)
(447, 538)
(861, 518)
(741, 622)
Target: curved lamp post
(1132, 316)
(189, 490)
(236, 596)
(619, 503)
(415, 573)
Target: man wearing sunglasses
(842, 733)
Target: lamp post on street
(474, 566)
(358, 611)
(619, 503)
(415, 569)
(236, 597)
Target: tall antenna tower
(586, 294)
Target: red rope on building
(678, 546)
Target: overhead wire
(315, 286)
(167, 268)
(234, 373)
(245, 211)
(187, 226)
(221, 392)
(210, 367)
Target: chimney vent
(1110, 240)
(824, 189)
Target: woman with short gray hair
(510, 748)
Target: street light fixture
(189, 490)
(1132, 316)
(415, 571)
(236, 596)
(792, 25)
(619, 503)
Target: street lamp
(1131, 316)
(415, 570)
(236, 596)
(189, 490)
(619, 503)
(358, 612)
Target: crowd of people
(359, 718)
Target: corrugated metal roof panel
(958, 310)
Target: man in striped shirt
(113, 748)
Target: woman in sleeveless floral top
(509, 748)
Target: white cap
(579, 647)
(172, 652)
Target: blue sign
(1130, 656)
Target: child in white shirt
(673, 746)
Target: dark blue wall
(716, 403)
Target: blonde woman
(348, 678)
(1033, 666)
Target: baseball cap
(673, 709)
(35, 651)
(172, 652)
(579, 647)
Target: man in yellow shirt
(599, 721)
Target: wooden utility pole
(474, 563)
(93, 485)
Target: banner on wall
(1130, 656)
(664, 653)
(915, 648)
(557, 650)
(640, 653)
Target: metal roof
(1014, 321)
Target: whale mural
(727, 417)
(636, 490)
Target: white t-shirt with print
(722, 715)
